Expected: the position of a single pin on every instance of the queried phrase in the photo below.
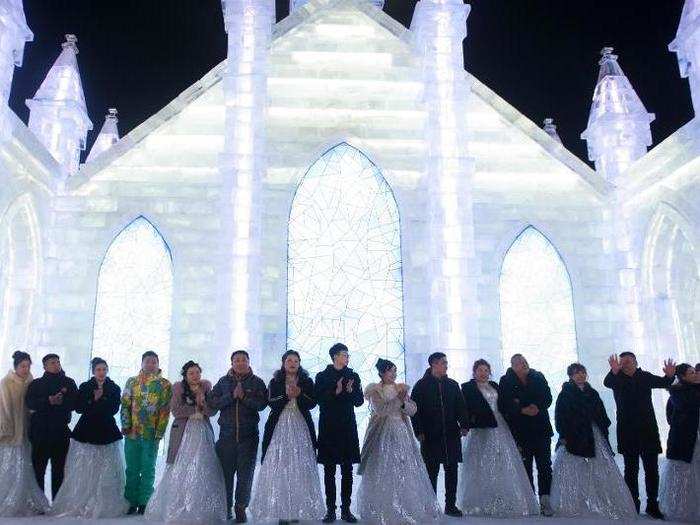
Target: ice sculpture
(551, 129)
(618, 131)
(134, 300)
(57, 113)
(249, 27)
(109, 134)
(439, 27)
(686, 45)
(14, 32)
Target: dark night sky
(540, 55)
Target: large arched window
(19, 276)
(134, 300)
(344, 265)
(537, 310)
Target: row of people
(198, 480)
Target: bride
(494, 481)
(288, 488)
(192, 488)
(395, 487)
(19, 492)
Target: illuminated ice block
(109, 134)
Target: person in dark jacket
(338, 391)
(637, 431)
(239, 396)
(680, 484)
(524, 399)
(51, 400)
(439, 424)
(586, 481)
(94, 482)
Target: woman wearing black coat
(94, 483)
(494, 481)
(586, 481)
(680, 477)
(287, 487)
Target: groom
(338, 391)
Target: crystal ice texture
(344, 265)
(686, 45)
(14, 33)
(551, 129)
(618, 131)
(133, 311)
(109, 135)
(57, 113)
(537, 309)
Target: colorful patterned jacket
(146, 406)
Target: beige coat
(14, 415)
(182, 412)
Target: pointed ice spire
(686, 45)
(57, 113)
(14, 32)
(551, 129)
(109, 134)
(618, 131)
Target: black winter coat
(513, 396)
(441, 415)
(478, 410)
(684, 415)
(50, 422)
(637, 431)
(575, 414)
(337, 429)
(239, 418)
(277, 399)
(96, 424)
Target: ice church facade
(341, 177)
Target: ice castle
(341, 177)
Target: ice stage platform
(44, 520)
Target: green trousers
(140, 455)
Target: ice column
(551, 129)
(249, 27)
(57, 113)
(109, 134)
(618, 131)
(14, 32)
(686, 45)
(439, 27)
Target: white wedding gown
(192, 487)
(20, 496)
(93, 486)
(679, 492)
(395, 487)
(494, 481)
(590, 487)
(288, 486)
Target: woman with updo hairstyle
(494, 480)
(586, 481)
(20, 494)
(287, 487)
(192, 487)
(395, 486)
(93, 486)
(679, 490)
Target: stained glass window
(344, 266)
(134, 301)
(537, 310)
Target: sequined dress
(192, 487)
(395, 488)
(287, 486)
(590, 487)
(494, 481)
(679, 492)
